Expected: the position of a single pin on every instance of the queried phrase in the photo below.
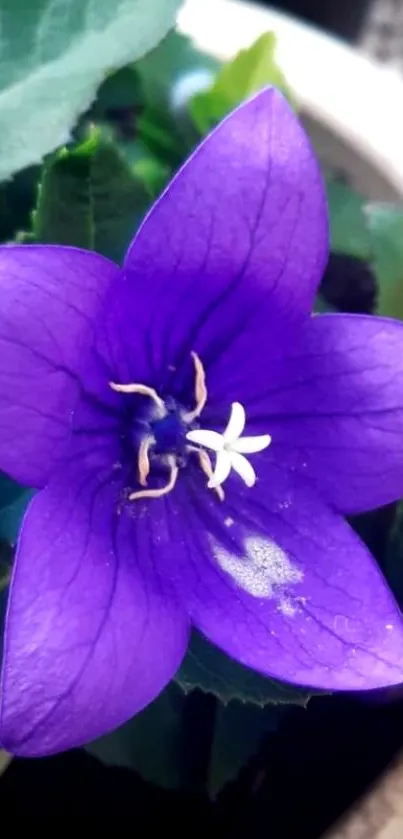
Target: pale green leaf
(349, 232)
(53, 56)
(250, 70)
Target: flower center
(169, 433)
(171, 436)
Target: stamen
(144, 462)
(230, 448)
(143, 390)
(208, 470)
(158, 493)
(200, 389)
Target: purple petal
(49, 300)
(236, 244)
(282, 584)
(333, 404)
(90, 638)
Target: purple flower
(124, 395)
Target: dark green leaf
(148, 169)
(89, 197)
(25, 237)
(120, 91)
(12, 515)
(321, 306)
(207, 668)
(54, 56)
(159, 133)
(250, 70)
(238, 733)
(5, 760)
(393, 562)
(9, 490)
(5, 570)
(149, 743)
(17, 199)
(4, 581)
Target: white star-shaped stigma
(230, 448)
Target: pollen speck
(286, 607)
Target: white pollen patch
(265, 571)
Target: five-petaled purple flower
(123, 397)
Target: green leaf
(144, 114)
(149, 743)
(165, 75)
(172, 61)
(54, 55)
(372, 232)
(149, 170)
(238, 732)
(385, 223)
(207, 668)
(348, 224)
(153, 173)
(248, 72)
(89, 197)
(160, 134)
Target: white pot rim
(355, 97)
